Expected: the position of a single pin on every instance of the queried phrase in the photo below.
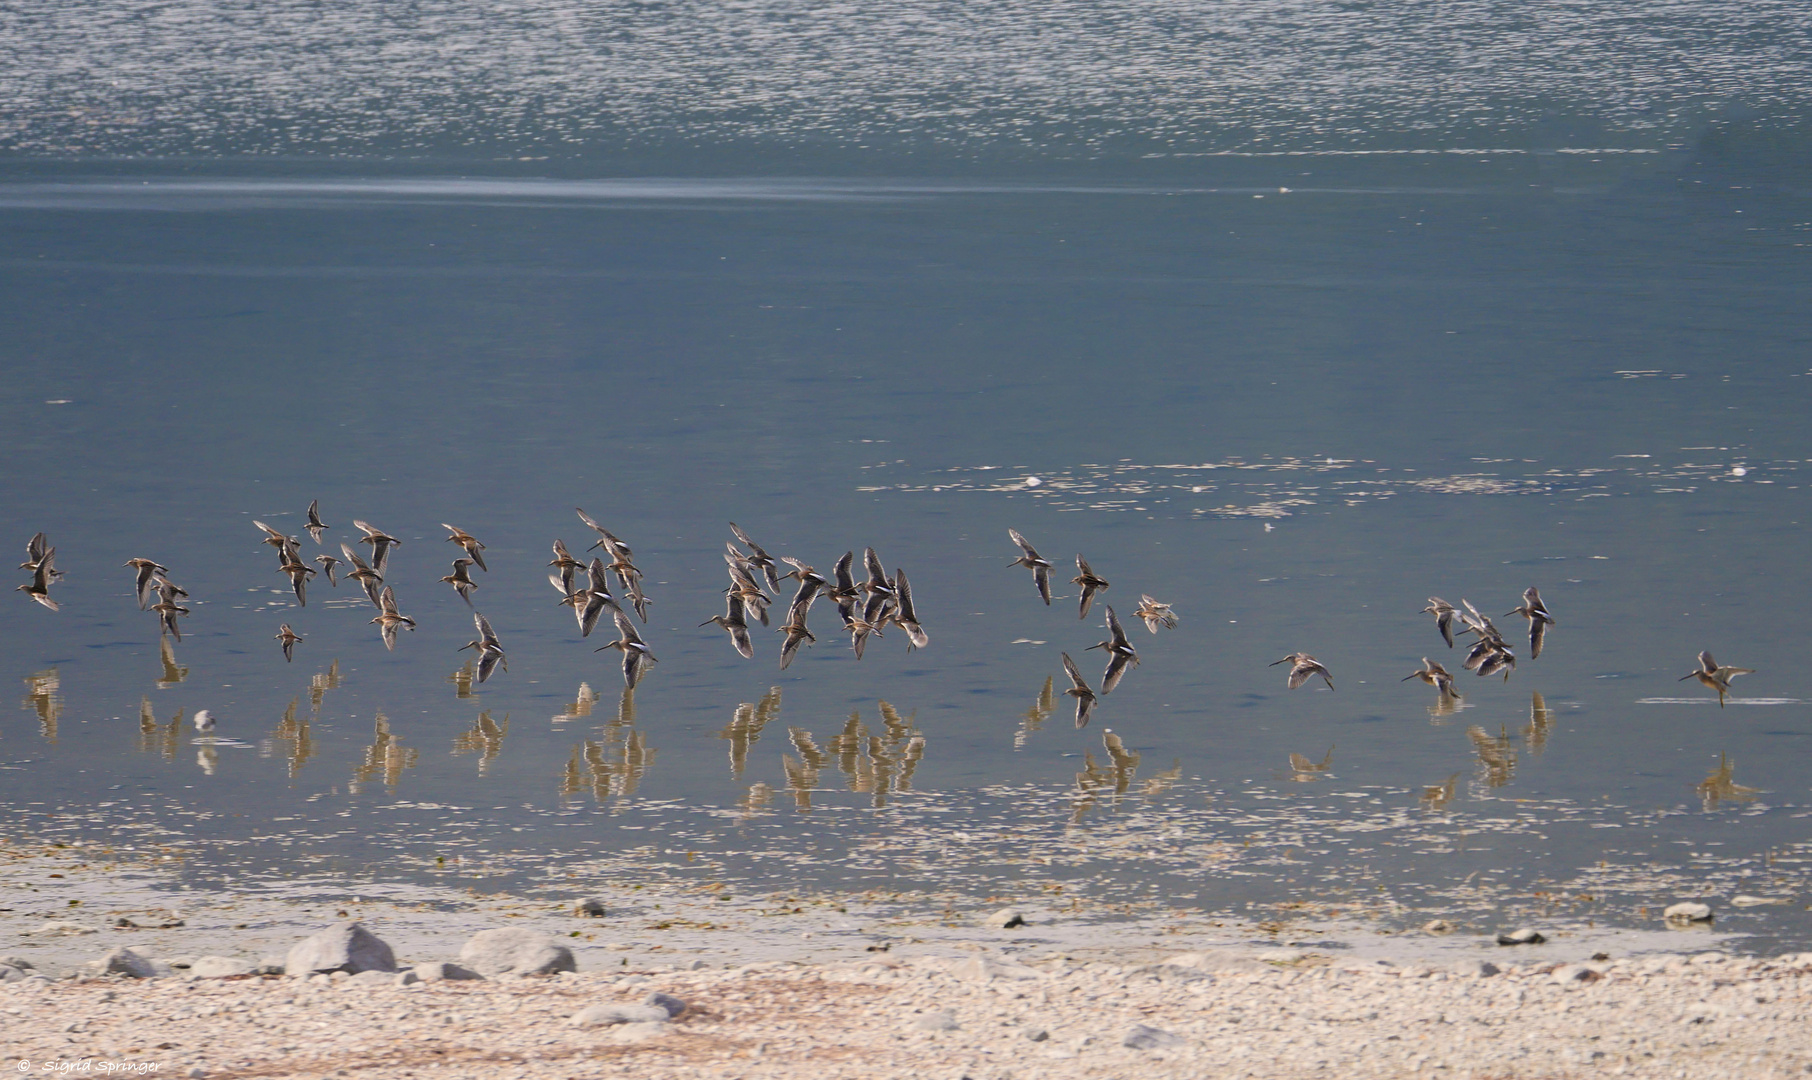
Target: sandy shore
(1703, 1017)
(864, 986)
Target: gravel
(1706, 1017)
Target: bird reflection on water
(877, 765)
(1496, 757)
(745, 726)
(386, 757)
(1033, 718)
(484, 738)
(1097, 781)
(42, 695)
(294, 737)
(613, 764)
(1721, 786)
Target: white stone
(610, 1015)
(1006, 918)
(1141, 1037)
(347, 947)
(217, 967)
(985, 968)
(515, 951)
(1688, 911)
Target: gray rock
(1480, 969)
(1006, 919)
(219, 967)
(407, 978)
(23, 964)
(942, 1020)
(510, 950)
(1524, 936)
(11, 974)
(440, 970)
(347, 947)
(62, 928)
(589, 908)
(1687, 912)
(1437, 927)
(124, 962)
(1035, 1034)
(1574, 974)
(268, 967)
(987, 968)
(609, 1015)
(674, 1006)
(1140, 1037)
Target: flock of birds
(866, 607)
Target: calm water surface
(1293, 395)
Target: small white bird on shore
(204, 723)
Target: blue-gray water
(1265, 362)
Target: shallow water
(1291, 395)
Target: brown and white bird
(328, 562)
(371, 580)
(758, 558)
(461, 580)
(315, 525)
(905, 616)
(1085, 698)
(146, 571)
(289, 638)
(389, 618)
(1303, 667)
(1715, 677)
(299, 573)
(1091, 584)
(466, 540)
(1436, 676)
(1120, 653)
(1443, 613)
(43, 574)
(1040, 566)
(736, 623)
(636, 654)
(380, 541)
(1155, 614)
(1539, 620)
(490, 650)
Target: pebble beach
(124, 970)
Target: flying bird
(315, 525)
(1091, 583)
(328, 562)
(736, 623)
(904, 616)
(1085, 698)
(1155, 614)
(1539, 620)
(289, 638)
(758, 558)
(380, 541)
(1443, 613)
(146, 571)
(389, 618)
(1120, 653)
(1040, 567)
(1715, 677)
(469, 542)
(636, 654)
(1434, 675)
(490, 650)
(461, 580)
(1303, 667)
